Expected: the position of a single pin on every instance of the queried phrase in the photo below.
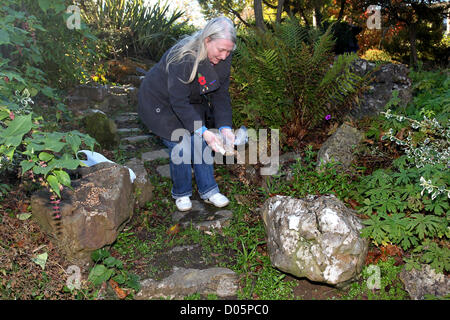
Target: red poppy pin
(202, 80)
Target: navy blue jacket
(167, 104)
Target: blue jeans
(191, 151)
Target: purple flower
(328, 117)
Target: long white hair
(217, 28)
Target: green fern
(288, 70)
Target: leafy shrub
(398, 208)
(431, 95)
(108, 267)
(376, 55)
(390, 286)
(38, 47)
(46, 154)
(132, 28)
(289, 78)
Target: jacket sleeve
(220, 98)
(179, 96)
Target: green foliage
(407, 204)
(307, 180)
(46, 154)
(130, 28)
(397, 212)
(431, 95)
(390, 286)
(289, 70)
(377, 55)
(438, 257)
(108, 267)
(38, 50)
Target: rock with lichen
(316, 237)
(101, 128)
(92, 213)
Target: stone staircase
(145, 154)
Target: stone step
(156, 154)
(164, 170)
(127, 118)
(136, 139)
(183, 282)
(203, 217)
(129, 131)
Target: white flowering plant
(429, 143)
(407, 204)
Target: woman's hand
(229, 139)
(213, 141)
(228, 136)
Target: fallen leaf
(353, 203)
(23, 216)
(41, 260)
(19, 244)
(173, 229)
(121, 294)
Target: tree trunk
(259, 19)
(279, 11)
(413, 49)
(341, 11)
(318, 15)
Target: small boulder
(92, 214)
(101, 128)
(203, 217)
(419, 283)
(142, 187)
(92, 92)
(316, 237)
(389, 77)
(340, 147)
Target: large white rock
(316, 237)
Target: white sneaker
(219, 200)
(183, 203)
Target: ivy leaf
(44, 156)
(74, 141)
(54, 184)
(99, 255)
(100, 274)
(26, 165)
(44, 4)
(120, 278)
(110, 262)
(63, 177)
(133, 282)
(41, 260)
(13, 134)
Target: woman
(184, 96)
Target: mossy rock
(103, 129)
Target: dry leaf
(173, 229)
(121, 294)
